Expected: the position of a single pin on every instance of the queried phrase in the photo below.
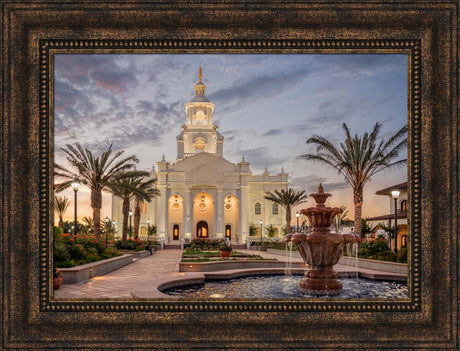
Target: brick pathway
(117, 284)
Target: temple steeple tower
(199, 134)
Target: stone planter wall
(233, 264)
(137, 254)
(87, 271)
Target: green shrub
(225, 248)
(77, 252)
(386, 256)
(111, 252)
(91, 257)
(271, 230)
(91, 251)
(253, 228)
(371, 247)
(65, 264)
(61, 253)
(131, 244)
(402, 255)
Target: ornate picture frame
(426, 32)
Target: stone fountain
(321, 249)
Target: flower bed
(70, 253)
(198, 255)
(131, 244)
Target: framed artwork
(122, 74)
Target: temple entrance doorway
(202, 230)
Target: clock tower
(199, 134)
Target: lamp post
(395, 194)
(130, 217)
(148, 230)
(75, 185)
(106, 230)
(261, 222)
(297, 215)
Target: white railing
(189, 154)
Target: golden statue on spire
(200, 73)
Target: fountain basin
(154, 289)
(285, 287)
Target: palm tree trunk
(125, 222)
(61, 223)
(96, 204)
(358, 201)
(288, 220)
(137, 217)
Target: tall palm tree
(131, 185)
(288, 199)
(61, 203)
(95, 172)
(137, 216)
(358, 158)
(341, 219)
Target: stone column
(243, 214)
(161, 212)
(188, 212)
(219, 208)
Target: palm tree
(131, 185)
(358, 158)
(61, 203)
(288, 199)
(341, 219)
(95, 172)
(137, 215)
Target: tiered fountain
(321, 249)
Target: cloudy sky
(267, 106)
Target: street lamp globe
(395, 194)
(75, 184)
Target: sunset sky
(267, 106)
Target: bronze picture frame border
(31, 319)
(48, 48)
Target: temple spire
(200, 87)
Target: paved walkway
(163, 263)
(117, 284)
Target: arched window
(275, 208)
(143, 207)
(257, 208)
(143, 231)
(404, 206)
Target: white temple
(202, 194)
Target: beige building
(202, 194)
(388, 218)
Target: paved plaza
(162, 264)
